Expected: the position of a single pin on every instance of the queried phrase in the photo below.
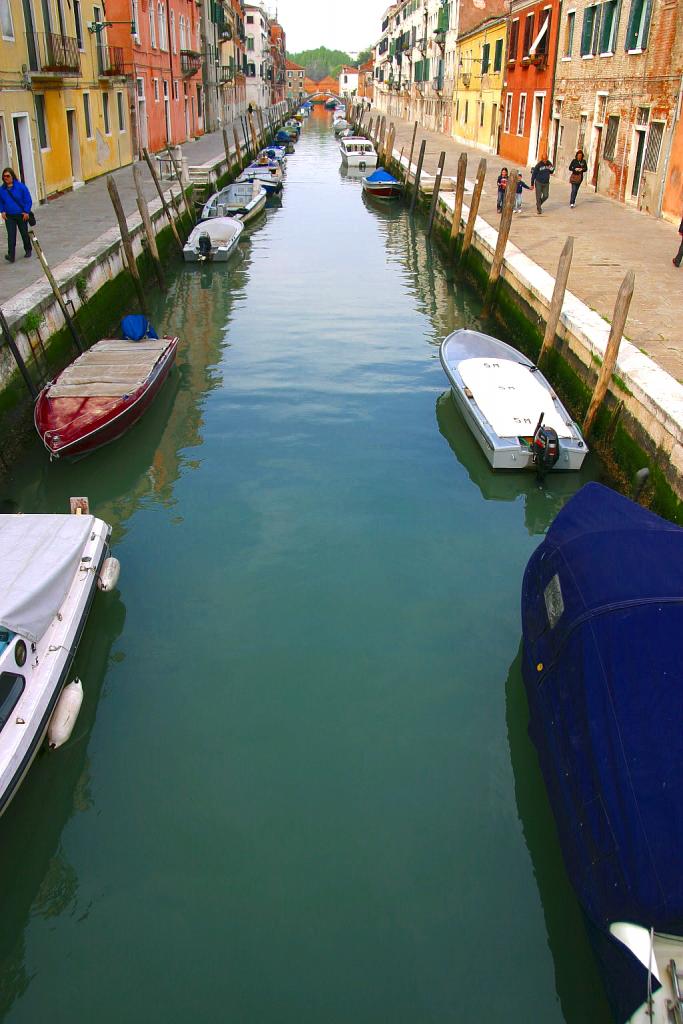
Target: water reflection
(577, 980)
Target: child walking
(518, 193)
(502, 186)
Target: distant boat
(330, 104)
(358, 152)
(382, 185)
(278, 153)
(213, 241)
(244, 200)
(50, 569)
(602, 617)
(105, 391)
(511, 409)
(268, 174)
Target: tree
(321, 62)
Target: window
(122, 114)
(521, 116)
(528, 34)
(135, 20)
(642, 116)
(498, 56)
(175, 89)
(508, 112)
(540, 43)
(42, 124)
(155, 83)
(608, 28)
(467, 111)
(161, 19)
(581, 137)
(514, 40)
(11, 689)
(86, 114)
(591, 24)
(638, 25)
(78, 24)
(654, 145)
(250, 19)
(173, 38)
(482, 112)
(6, 26)
(600, 108)
(152, 27)
(611, 138)
(569, 33)
(485, 57)
(181, 32)
(105, 113)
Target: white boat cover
(221, 231)
(39, 555)
(510, 396)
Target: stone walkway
(609, 240)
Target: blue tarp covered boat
(382, 185)
(602, 616)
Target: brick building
(295, 85)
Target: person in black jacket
(540, 179)
(679, 255)
(577, 169)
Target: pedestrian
(679, 255)
(540, 179)
(577, 169)
(518, 192)
(502, 186)
(15, 207)
(250, 109)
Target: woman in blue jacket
(15, 206)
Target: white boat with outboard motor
(243, 200)
(50, 569)
(513, 412)
(213, 241)
(358, 152)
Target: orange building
(278, 56)
(162, 60)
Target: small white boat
(358, 152)
(341, 125)
(50, 569)
(511, 409)
(213, 240)
(268, 173)
(244, 200)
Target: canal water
(301, 790)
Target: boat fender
(109, 574)
(65, 714)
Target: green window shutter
(498, 56)
(646, 24)
(587, 30)
(485, 57)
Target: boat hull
(382, 191)
(119, 419)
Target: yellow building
(64, 114)
(479, 84)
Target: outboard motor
(545, 448)
(204, 246)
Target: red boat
(382, 185)
(99, 396)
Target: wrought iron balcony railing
(225, 73)
(50, 53)
(190, 62)
(109, 60)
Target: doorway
(74, 147)
(494, 127)
(638, 169)
(597, 153)
(536, 128)
(142, 114)
(24, 153)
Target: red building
(528, 90)
(162, 60)
(278, 56)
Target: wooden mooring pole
(226, 147)
(418, 174)
(127, 243)
(238, 151)
(179, 179)
(147, 225)
(503, 233)
(162, 197)
(557, 300)
(21, 365)
(474, 207)
(57, 293)
(410, 158)
(459, 195)
(621, 308)
(435, 195)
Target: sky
(348, 25)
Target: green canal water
(301, 789)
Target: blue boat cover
(136, 327)
(380, 175)
(602, 618)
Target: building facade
(348, 81)
(479, 84)
(295, 90)
(259, 66)
(366, 78)
(278, 56)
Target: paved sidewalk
(609, 239)
(71, 221)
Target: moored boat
(511, 409)
(268, 173)
(50, 569)
(105, 391)
(286, 139)
(358, 152)
(278, 153)
(602, 615)
(382, 185)
(213, 240)
(244, 200)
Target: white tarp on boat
(221, 231)
(39, 555)
(510, 396)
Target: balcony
(51, 54)
(190, 62)
(225, 73)
(109, 61)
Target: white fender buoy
(109, 574)
(65, 714)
